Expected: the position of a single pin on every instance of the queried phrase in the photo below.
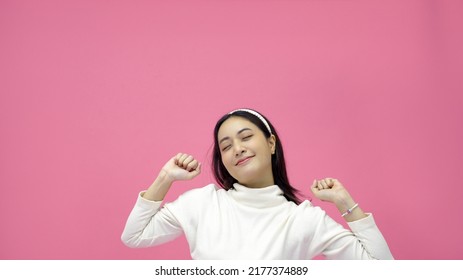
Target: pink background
(96, 95)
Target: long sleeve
(363, 241)
(369, 236)
(250, 224)
(149, 225)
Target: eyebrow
(240, 131)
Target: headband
(261, 118)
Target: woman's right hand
(182, 167)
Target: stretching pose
(255, 213)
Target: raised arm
(331, 190)
(365, 241)
(180, 167)
(147, 224)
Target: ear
(272, 141)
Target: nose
(239, 149)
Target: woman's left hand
(330, 190)
(333, 191)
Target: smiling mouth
(244, 160)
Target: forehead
(234, 124)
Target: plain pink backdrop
(96, 95)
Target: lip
(243, 160)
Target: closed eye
(226, 148)
(247, 137)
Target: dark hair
(224, 178)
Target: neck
(258, 184)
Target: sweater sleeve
(363, 241)
(369, 236)
(149, 225)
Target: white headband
(255, 114)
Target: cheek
(266, 156)
(226, 159)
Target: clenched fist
(329, 189)
(182, 167)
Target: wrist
(164, 177)
(159, 188)
(343, 200)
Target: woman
(256, 214)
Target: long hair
(280, 176)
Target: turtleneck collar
(258, 197)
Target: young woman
(256, 213)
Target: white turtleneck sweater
(247, 223)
